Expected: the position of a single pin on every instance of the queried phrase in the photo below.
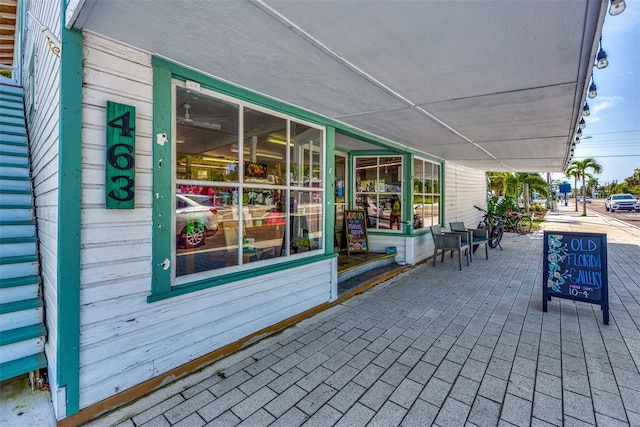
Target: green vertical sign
(121, 154)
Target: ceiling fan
(188, 120)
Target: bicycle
(495, 225)
(519, 223)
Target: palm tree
(510, 184)
(533, 182)
(581, 167)
(572, 172)
(634, 179)
(496, 182)
(592, 185)
(519, 183)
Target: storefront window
(249, 184)
(378, 191)
(426, 193)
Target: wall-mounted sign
(121, 154)
(355, 223)
(575, 267)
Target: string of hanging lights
(616, 7)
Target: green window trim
(440, 193)
(162, 284)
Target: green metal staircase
(22, 330)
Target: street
(597, 205)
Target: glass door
(340, 196)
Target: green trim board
(21, 334)
(162, 182)
(69, 215)
(329, 190)
(442, 195)
(407, 193)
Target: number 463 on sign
(120, 156)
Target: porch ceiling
(8, 10)
(493, 85)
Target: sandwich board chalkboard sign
(355, 222)
(575, 267)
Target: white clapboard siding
(203, 325)
(229, 300)
(464, 188)
(422, 248)
(380, 243)
(43, 127)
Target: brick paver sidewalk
(436, 346)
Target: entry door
(340, 195)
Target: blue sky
(612, 135)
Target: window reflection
(426, 198)
(206, 129)
(379, 191)
(237, 200)
(306, 156)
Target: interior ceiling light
(585, 110)
(593, 92)
(278, 141)
(189, 121)
(617, 7)
(582, 123)
(601, 59)
(265, 155)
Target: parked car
(617, 202)
(194, 222)
(199, 198)
(373, 213)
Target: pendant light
(601, 59)
(617, 7)
(582, 123)
(585, 110)
(593, 92)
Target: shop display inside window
(229, 215)
(379, 191)
(426, 194)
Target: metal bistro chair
(478, 237)
(448, 241)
